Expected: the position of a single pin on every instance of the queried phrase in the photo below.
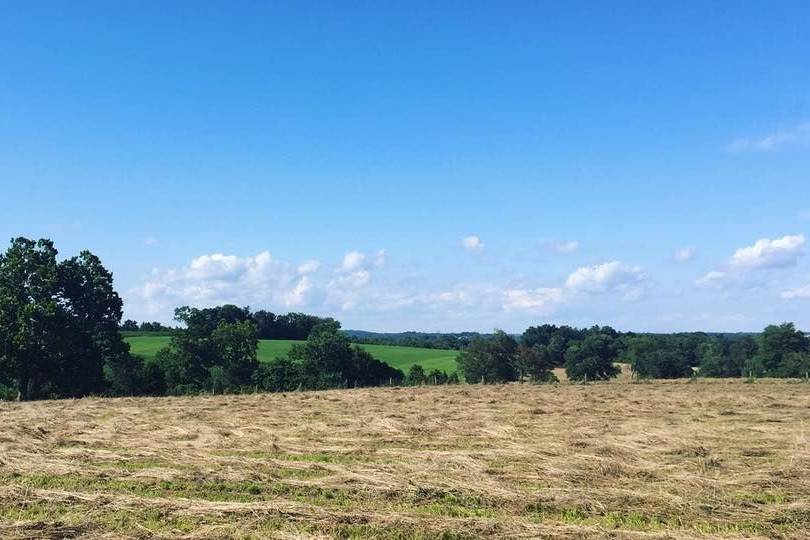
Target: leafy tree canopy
(59, 325)
(592, 358)
(491, 360)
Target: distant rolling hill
(399, 357)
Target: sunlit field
(398, 357)
(701, 459)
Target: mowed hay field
(707, 459)
(399, 357)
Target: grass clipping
(704, 459)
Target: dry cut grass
(706, 459)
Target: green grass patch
(58, 519)
(762, 497)
(638, 521)
(396, 532)
(74, 519)
(207, 490)
(139, 464)
(449, 504)
(402, 358)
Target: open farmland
(398, 357)
(706, 459)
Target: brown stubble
(621, 459)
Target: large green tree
(536, 362)
(592, 358)
(493, 360)
(222, 359)
(651, 358)
(59, 325)
(328, 360)
(776, 343)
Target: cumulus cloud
(685, 253)
(298, 295)
(358, 288)
(767, 253)
(612, 276)
(309, 267)
(352, 280)
(473, 244)
(796, 293)
(354, 276)
(748, 265)
(798, 135)
(218, 278)
(352, 261)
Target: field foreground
(659, 460)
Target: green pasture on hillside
(398, 357)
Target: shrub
(416, 376)
(280, 375)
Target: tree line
(592, 354)
(217, 352)
(131, 326)
(424, 340)
(292, 326)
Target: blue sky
(403, 165)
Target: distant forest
(296, 326)
(61, 336)
(428, 340)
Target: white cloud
(309, 267)
(350, 287)
(714, 278)
(796, 293)
(217, 278)
(359, 291)
(539, 301)
(150, 240)
(352, 261)
(685, 253)
(473, 244)
(566, 247)
(298, 295)
(744, 269)
(798, 135)
(353, 280)
(225, 267)
(767, 253)
(612, 276)
(355, 269)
